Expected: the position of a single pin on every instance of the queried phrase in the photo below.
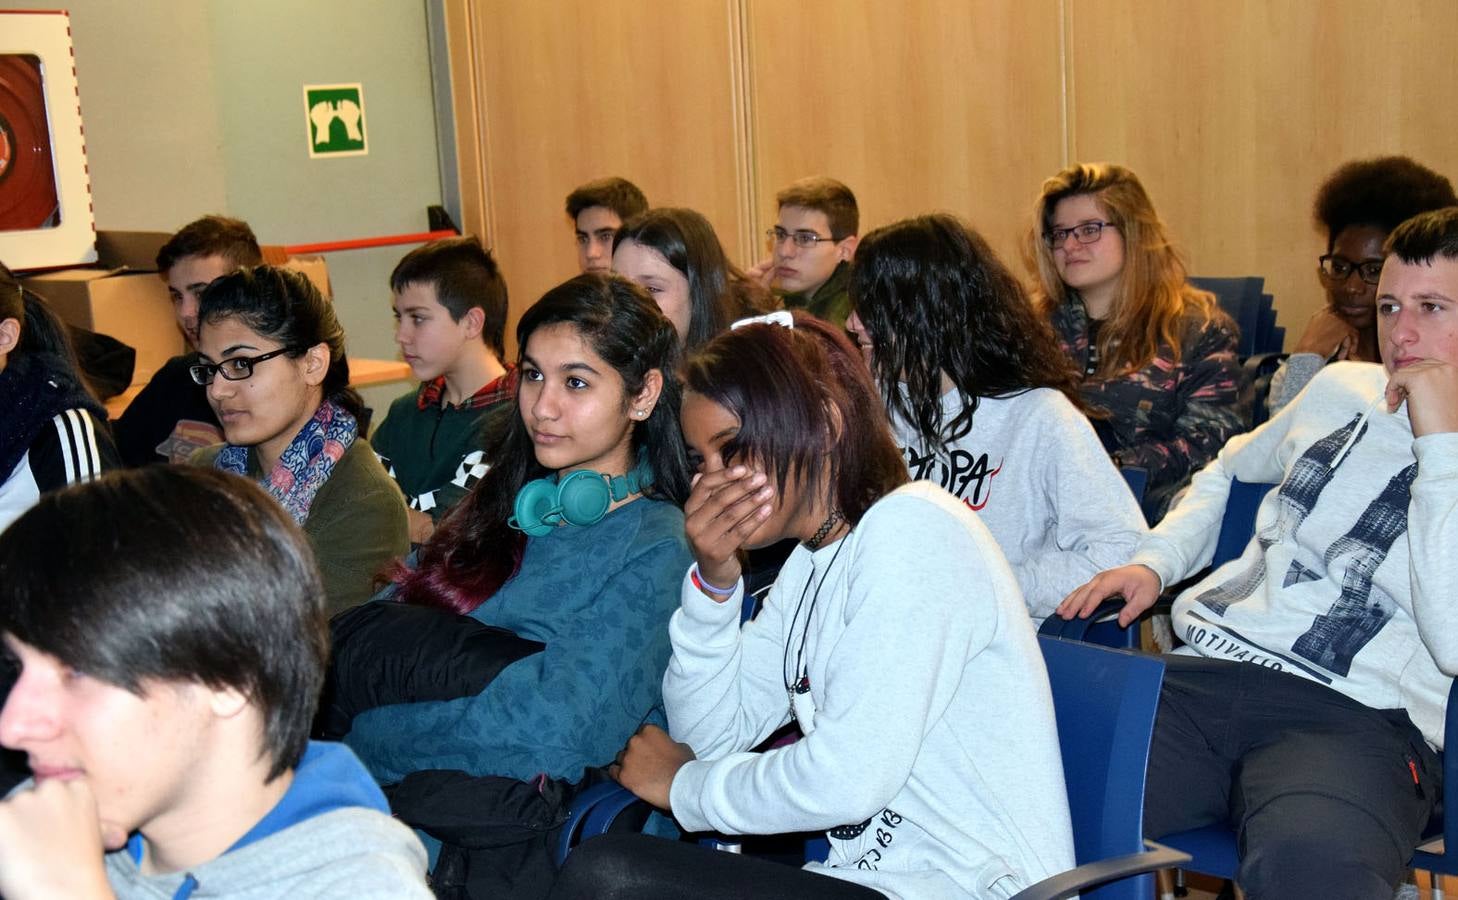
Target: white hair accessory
(781, 317)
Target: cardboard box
(132, 307)
(122, 296)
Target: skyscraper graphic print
(1360, 611)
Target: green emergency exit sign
(335, 116)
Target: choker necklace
(824, 530)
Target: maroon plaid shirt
(494, 392)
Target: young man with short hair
(171, 417)
(1311, 695)
(171, 649)
(812, 245)
(597, 210)
(450, 322)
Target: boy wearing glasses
(811, 247)
(597, 210)
(171, 652)
(171, 417)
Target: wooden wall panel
(920, 105)
(1234, 111)
(571, 90)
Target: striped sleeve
(76, 447)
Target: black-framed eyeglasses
(803, 239)
(1083, 232)
(237, 368)
(1338, 268)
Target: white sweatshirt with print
(1352, 580)
(1034, 471)
(928, 720)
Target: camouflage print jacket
(1173, 415)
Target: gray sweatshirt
(331, 836)
(1034, 471)
(928, 721)
(1352, 578)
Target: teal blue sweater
(600, 599)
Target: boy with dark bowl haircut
(597, 210)
(450, 323)
(171, 650)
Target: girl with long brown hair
(1154, 353)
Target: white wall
(148, 105)
(263, 52)
(197, 107)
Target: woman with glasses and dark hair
(1156, 356)
(1357, 207)
(895, 637)
(978, 390)
(52, 430)
(271, 354)
(674, 255)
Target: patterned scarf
(307, 461)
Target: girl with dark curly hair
(983, 402)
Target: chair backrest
(1105, 702)
(1269, 338)
(1241, 300)
(1137, 477)
(1238, 524)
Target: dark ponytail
(283, 305)
(41, 332)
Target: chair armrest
(603, 814)
(1070, 883)
(1074, 629)
(1101, 627)
(1450, 771)
(1259, 364)
(579, 815)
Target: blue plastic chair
(1261, 340)
(1241, 299)
(1105, 702)
(1137, 477)
(1238, 524)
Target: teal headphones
(582, 498)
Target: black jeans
(1328, 797)
(650, 868)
